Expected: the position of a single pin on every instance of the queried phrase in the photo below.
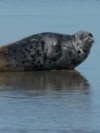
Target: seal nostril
(90, 35)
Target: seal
(46, 51)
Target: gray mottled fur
(47, 51)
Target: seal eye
(90, 35)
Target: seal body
(46, 51)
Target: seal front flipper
(54, 52)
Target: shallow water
(50, 101)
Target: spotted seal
(46, 51)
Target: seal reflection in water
(45, 81)
(46, 51)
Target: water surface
(50, 101)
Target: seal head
(85, 39)
(83, 43)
